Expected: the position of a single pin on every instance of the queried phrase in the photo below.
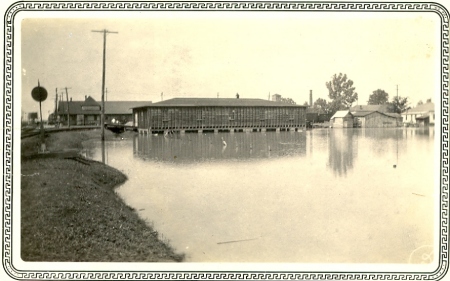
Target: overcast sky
(191, 54)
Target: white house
(423, 115)
(342, 119)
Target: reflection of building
(88, 112)
(187, 148)
(341, 154)
(218, 114)
(423, 115)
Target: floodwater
(322, 195)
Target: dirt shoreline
(71, 212)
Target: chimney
(237, 95)
(70, 99)
(310, 98)
(85, 97)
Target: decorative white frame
(8, 90)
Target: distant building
(374, 116)
(218, 114)
(422, 115)
(276, 97)
(315, 115)
(376, 119)
(32, 117)
(88, 112)
(342, 119)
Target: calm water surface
(325, 195)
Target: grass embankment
(70, 211)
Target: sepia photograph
(225, 140)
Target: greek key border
(18, 7)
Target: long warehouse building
(218, 114)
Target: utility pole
(56, 106)
(162, 94)
(102, 119)
(68, 107)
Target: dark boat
(115, 128)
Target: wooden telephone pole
(68, 106)
(102, 119)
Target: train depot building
(88, 112)
(219, 114)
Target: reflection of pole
(40, 112)
(42, 125)
(103, 152)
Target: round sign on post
(39, 94)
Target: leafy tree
(341, 92)
(378, 97)
(322, 106)
(306, 103)
(428, 100)
(420, 102)
(399, 104)
(288, 100)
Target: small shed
(342, 119)
(376, 119)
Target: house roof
(219, 102)
(396, 115)
(341, 114)
(74, 108)
(362, 113)
(420, 109)
(365, 113)
(111, 107)
(370, 108)
(90, 101)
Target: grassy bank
(70, 211)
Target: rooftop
(111, 107)
(341, 114)
(370, 108)
(219, 102)
(420, 109)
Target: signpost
(40, 94)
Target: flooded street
(324, 195)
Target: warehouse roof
(186, 102)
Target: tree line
(342, 94)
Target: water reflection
(191, 148)
(266, 189)
(342, 151)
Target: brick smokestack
(310, 98)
